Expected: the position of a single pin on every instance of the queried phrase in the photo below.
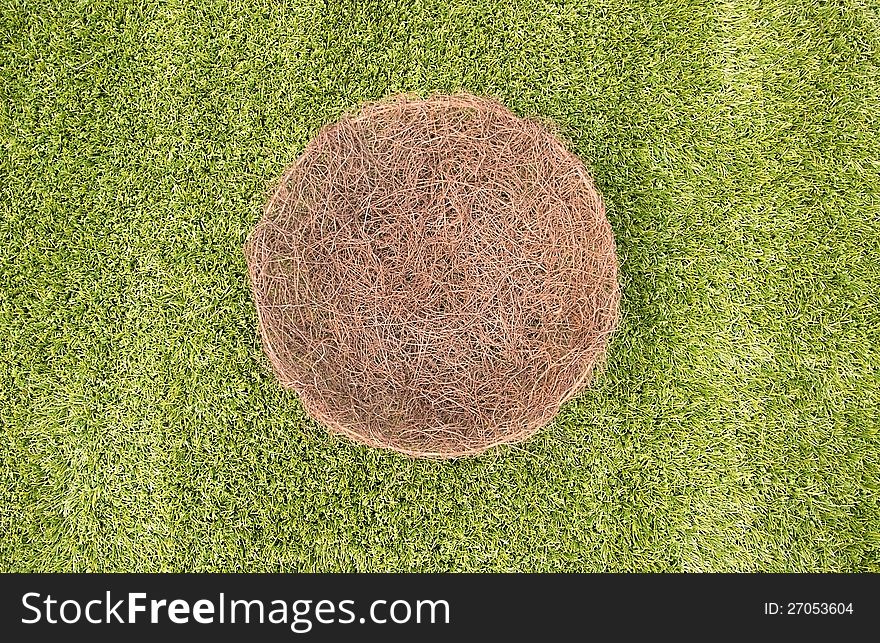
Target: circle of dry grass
(434, 276)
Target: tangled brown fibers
(434, 276)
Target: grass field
(735, 426)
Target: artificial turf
(735, 426)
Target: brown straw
(434, 276)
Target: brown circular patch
(434, 276)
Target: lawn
(735, 425)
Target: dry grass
(435, 276)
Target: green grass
(735, 426)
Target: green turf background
(736, 424)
